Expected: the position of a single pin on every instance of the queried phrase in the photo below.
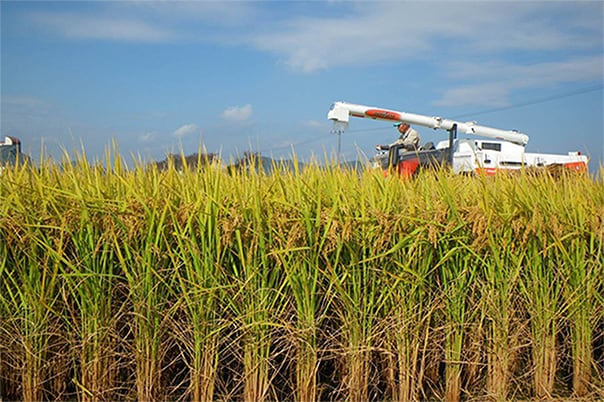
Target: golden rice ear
(166, 282)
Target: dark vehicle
(10, 152)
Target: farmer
(409, 138)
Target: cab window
(491, 146)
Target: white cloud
(491, 83)
(312, 44)
(110, 27)
(456, 36)
(492, 94)
(185, 130)
(316, 124)
(345, 33)
(365, 34)
(152, 22)
(216, 13)
(238, 113)
(147, 137)
(586, 67)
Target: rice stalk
(457, 270)
(30, 295)
(199, 254)
(301, 236)
(541, 285)
(501, 275)
(580, 253)
(141, 248)
(89, 273)
(358, 281)
(256, 296)
(316, 285)
(409, 314)
(33, 247)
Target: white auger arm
(340, 113)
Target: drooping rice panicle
(198, 283)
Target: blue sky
(231, 76)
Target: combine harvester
(504, 151)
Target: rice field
(121, 283)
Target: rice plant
(580, 262)
(31, 250)
(198, 255)
(301, 239)
(185, 283)
(256, 285)
(500, 266)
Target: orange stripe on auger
(383, 114)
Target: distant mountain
(247, 162)
(192, 161)
(251, 161)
